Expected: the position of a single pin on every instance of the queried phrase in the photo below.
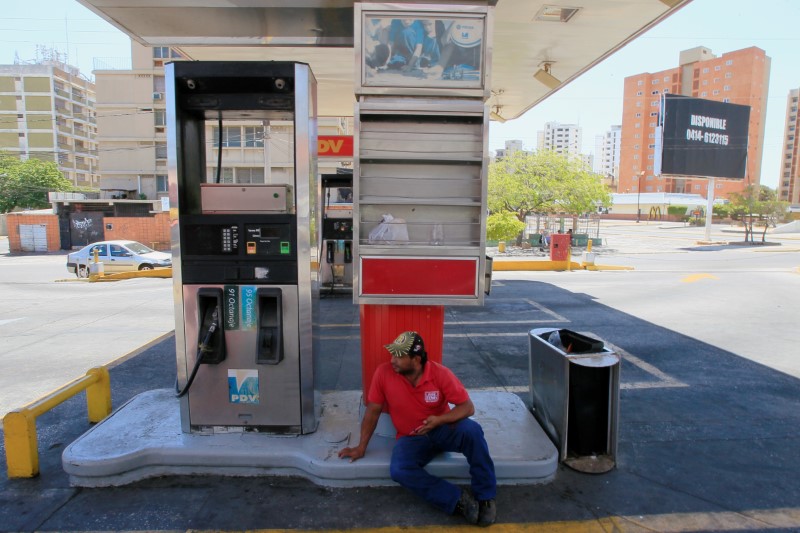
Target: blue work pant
(412, 453)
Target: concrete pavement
(707, 436)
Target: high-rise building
(563, 139)
(608, 155)
(47, 112)
(131, 115)
(739, 77)
(789, 181)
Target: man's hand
(354, 454)
(429, 424)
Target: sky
(594, 101)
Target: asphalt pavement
(708, 432)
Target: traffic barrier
(19, 426)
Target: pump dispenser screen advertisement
(703, 137)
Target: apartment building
(47, 112)
(739, 77)
(563, 139)
(131, 116)
(608, 152)
(789, 181)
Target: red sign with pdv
(335, 146)
(704, 138)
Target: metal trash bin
(575, 397)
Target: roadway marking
(662, 380)
(697, 277)
(10, 320)
(755, 520)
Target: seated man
(417, 393)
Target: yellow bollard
(501, 247)
(22, 454)
(589, 245)
(98, 394)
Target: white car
(116, 256)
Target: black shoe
(467, 507)
(487, 514)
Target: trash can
(574, 394)
(560, 246)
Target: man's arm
(368, 425)
(459, 412)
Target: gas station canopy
(537, 46)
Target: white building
(133, 138)
(608, 155)
(563, 139)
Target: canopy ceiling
(320, 33)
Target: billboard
(702, 138)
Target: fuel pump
(245, 294)
(336, 267)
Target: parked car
(116, 256)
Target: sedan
(117, 256)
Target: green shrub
(677, 210)
(503, 226)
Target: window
(654, 92)
(250, 175)
(638, 104)
(160, 117)
(231, 136)
(159, 85)
(640, 82)
(729, 62)
(716, 80)
(703, 94)
(161, 150)
(655, 82)
(717, 68)
(164, 52)
(225, 177)
(639, 93)
(635, 146)
(118, 251)
(637, 125)
(726, 88)
(654, 103)
(650, 156)
(652, 136)
(705, 70)
(638, 115)
(651, 146)
(715, 92)
(666, 78)
(705, 82)
(102, 249)
(726, 100)
(254, 136)
(162, 183)
(729, 75)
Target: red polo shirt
(410, 405)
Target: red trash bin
(560, 246)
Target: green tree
(25, 184)
(543, 182)
(758, 204)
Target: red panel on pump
(399, 276)
(381, 324)
(560, 246)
